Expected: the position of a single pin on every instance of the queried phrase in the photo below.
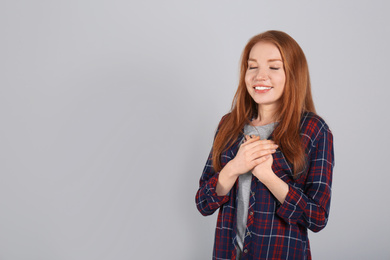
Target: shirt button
(245, 251)
(248, 234)
(251, 213)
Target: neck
(266, 115)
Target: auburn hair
(295, 100)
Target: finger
(249, 140)
(266, 141)
(261, 145)
(259, 151)
(247, 137)
(262, 153)
(262, 159)
(265, 146)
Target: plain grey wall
(108, 111)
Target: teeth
(262, 88)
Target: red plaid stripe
(275, 231)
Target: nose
(261, 75)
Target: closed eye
(251, 68)
(274, 68)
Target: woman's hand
(266, 175)
(252, 153)
(263, 171)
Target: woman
(270, 169)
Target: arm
(226, 179)
(266, 175)
(310, 207)
(277, 186)
(207, 200)
(250, 154)
(215, 186)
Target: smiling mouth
(263, 88)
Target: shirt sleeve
(310, 207)
(207, 200)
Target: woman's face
(265, 77)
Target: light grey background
(108, 111)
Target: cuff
(210, 191)
(293, 206)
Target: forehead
(265, 50)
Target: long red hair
(295, 100)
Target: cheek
(282, 84)
(248, 79)
(281, 80)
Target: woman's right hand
(251, 153)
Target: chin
(267, 102)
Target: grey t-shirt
(244, 185)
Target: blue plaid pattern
(274, 230)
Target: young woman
(270, 169)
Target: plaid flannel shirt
(274, 230)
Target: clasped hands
(255, 155)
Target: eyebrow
(270, 60)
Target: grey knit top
(244, 185)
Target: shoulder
(313, 126)
(223, 119)
(313, 122)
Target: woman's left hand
(264, 171)
(266, 175)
